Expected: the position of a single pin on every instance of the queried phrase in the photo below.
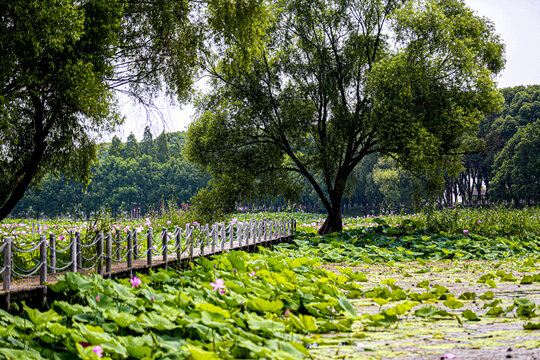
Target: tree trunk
(333, 222)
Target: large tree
(517, 167)
(338, 80)
(53, 92)
(63, 62)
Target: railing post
(189, 243)
(214, 237)
(52, 246)
(135, 244)
(223, 237)
(231, 236)
(100, 253)
(279, 228)
(149, 246)
(74, 254)
(265, 227)
(178, 243)
(79, 250)
(129, 250)
(43, 259)
(239, 233)
(165, 240)
(108, 245)
(118, 245)
(7, 264)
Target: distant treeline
(505, 167)
(150, 173)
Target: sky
(516, 21)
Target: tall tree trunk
(333, 222)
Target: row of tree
(133, 177)
(300, 93)
(506, 166)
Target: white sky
(517, 21)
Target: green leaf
(470, 315)
(346, 305)
(264, 306)
(236, 261)
(488, 295)
(532, 326)
(453, 304)
(198, 353)
(467, 296)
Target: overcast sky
(517, 21)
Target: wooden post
(118, 246)
(223, 237)
(100, 253)
(73, 254)
(52, 246)
(43, 259)
(129, 250)
(189, 243)
(204, 239)
(165, 240)
(108, 250)
(265, 224)
(279, 228)
(7, 264)
(79, 250)
(135, 245)
(214, 237)
(149, 245)
(239, 233)
(231, 236)
(178, 243)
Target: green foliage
(156, 177)
(517, 167)
(55, 89)
(492, 222)
(327, 90)
(177, 313)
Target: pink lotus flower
(152, 298)
(135, 282)
(287, 312)
(219, 285)
(465, 231)
(97, 298)
(449, 356)
(252, 274)
(98, 350)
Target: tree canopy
(338, 80)
(148, 181)
(63, 61)
(517, 167)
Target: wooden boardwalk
(32, 292)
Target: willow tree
(338, 80)
(64, 61)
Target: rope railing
(100, 251)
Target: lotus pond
(393, 289)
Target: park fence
(100, 251)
